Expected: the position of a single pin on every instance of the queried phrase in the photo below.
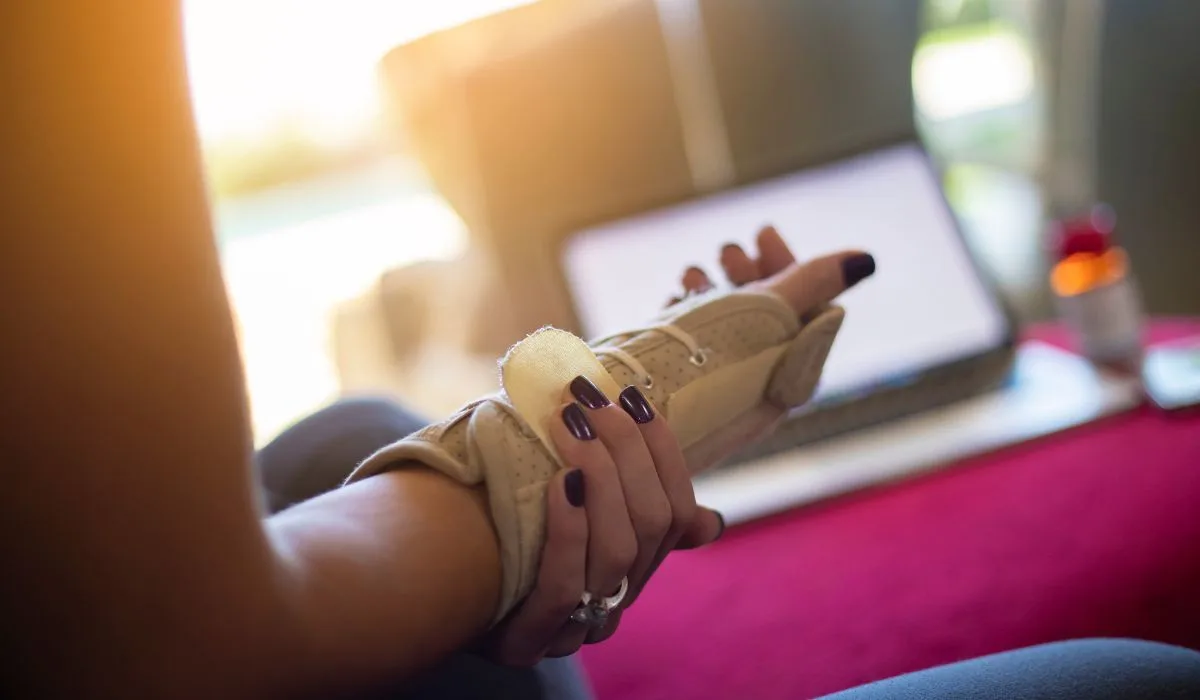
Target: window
(312, 200)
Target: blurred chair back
(583, 123)
(805, 80)
(556, 128)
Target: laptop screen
(925, 306)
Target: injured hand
(722, 368)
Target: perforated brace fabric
(753, 348)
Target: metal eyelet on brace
(648, 382)
(699, 359)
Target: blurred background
(390, 178)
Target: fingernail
(587, 393)
(721, 531)
(730, 248)
(573, 485)
(578, 423)
(636, 405)
(857, 268)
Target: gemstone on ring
(591, 614)
(594, 610)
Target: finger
(568, 640)
(819, 281)
(595, 635)
(673, 476)
(619, 429)
(541, 620)
(739, 267)
(612, 543)
(706, 528)
(696, 281)
(774, 255)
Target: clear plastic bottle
(1095, 291)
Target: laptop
(926, 330)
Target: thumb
(817, 282)
(706, 528)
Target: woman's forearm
(385, 577)
(137, 563)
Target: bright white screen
(925, 305)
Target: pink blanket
(1095, 532)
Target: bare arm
(136, 560)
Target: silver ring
(593, 610)
(611, 601)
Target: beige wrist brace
(704, 363)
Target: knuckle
(620, 555)
(655, 527)
(683, 513)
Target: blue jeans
(316, 454)
(1089, 669)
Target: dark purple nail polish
(578, 423)
(587, 393)
(636, 405)
(573, 485)
(857, 268)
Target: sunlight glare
(259, 68)
(286, 286)
(258, 64)
(956, 78)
